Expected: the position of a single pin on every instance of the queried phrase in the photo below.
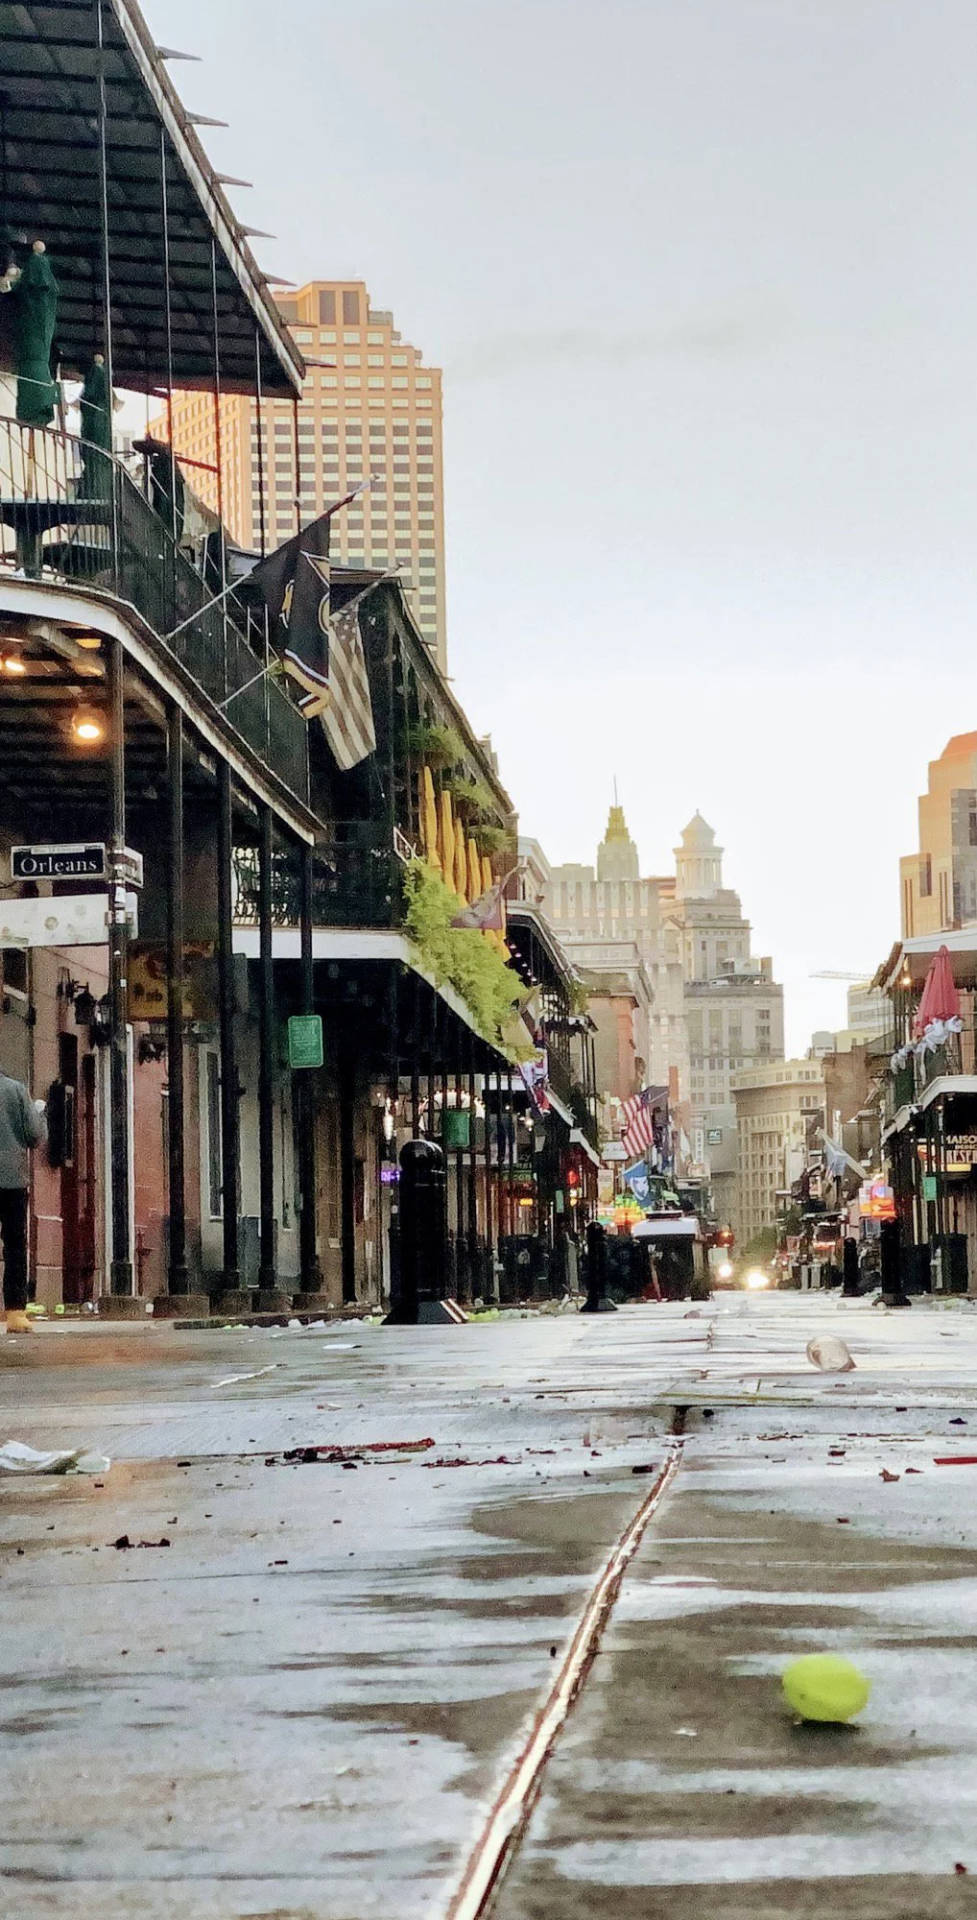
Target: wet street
(308, 1687)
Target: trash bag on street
(830, 1354)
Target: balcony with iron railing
(906, 1083)
(70, 512)
(357, 881)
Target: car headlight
(725, 1272)
(755, 1280)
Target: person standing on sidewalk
(22, 1128)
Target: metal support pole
(266, 1054)
(168, 323)
(473, 1274)
(432, 1040)
(415, 1059)
(219, 446)
(511, 1158)
(259, 413)
(447, 1157)
(304, 1086)
(102, 116)
(296, 468)
(230, 1109)
(178, 1279)
(121, 1266)
(347, 1165)
(489, 1290)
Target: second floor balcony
(357, 881)
(74, 516)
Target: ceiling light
(90, 641)
(13, 663)
(87, 725)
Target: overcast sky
(701, 275)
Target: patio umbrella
(429, 818)
(96, 432)
(35, 315)
(940, 999)
(446, 843)
(475, 888)
(461, 862)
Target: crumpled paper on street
(15, 1457)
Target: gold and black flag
(295, 584)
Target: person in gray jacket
(22, 1127)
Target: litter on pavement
(15, 1457)
(830, 1354)
(232, 1379)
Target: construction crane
(856, 979)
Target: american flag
(638, 1115)
(348, 719)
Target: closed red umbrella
(940, 1000)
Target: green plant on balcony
(491, 839)
(578, 996)
(461, 956)
(437, 744)
(473, 798)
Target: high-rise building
(734, 1010)
(369, 407)
(938, 884)
(593, 910)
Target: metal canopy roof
(50, 190)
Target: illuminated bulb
(87, 725)
(13, 663)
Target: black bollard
(890, 1260)
(849, 1281)
(597, 1301)
(422, 1237)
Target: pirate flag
(295, 583)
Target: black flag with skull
(295, 584)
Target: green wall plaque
(305, 1040)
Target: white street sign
(76, 920)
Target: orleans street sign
(78, 860)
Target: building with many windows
(369, 410)
(591, 907)
(938, 883)
(734, 1009)
(776, 1107)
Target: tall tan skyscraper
(369, 406)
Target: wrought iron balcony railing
(72, 512)
(357, 881)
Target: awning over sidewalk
(354, 944)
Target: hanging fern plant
(474, 797)
(436, 744)
(491, 839)
(462, 957)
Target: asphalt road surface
(319, 1698)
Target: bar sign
(305, 1040)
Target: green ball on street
(824, 1686)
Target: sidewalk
(682, 1790)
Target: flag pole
(232, 585)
